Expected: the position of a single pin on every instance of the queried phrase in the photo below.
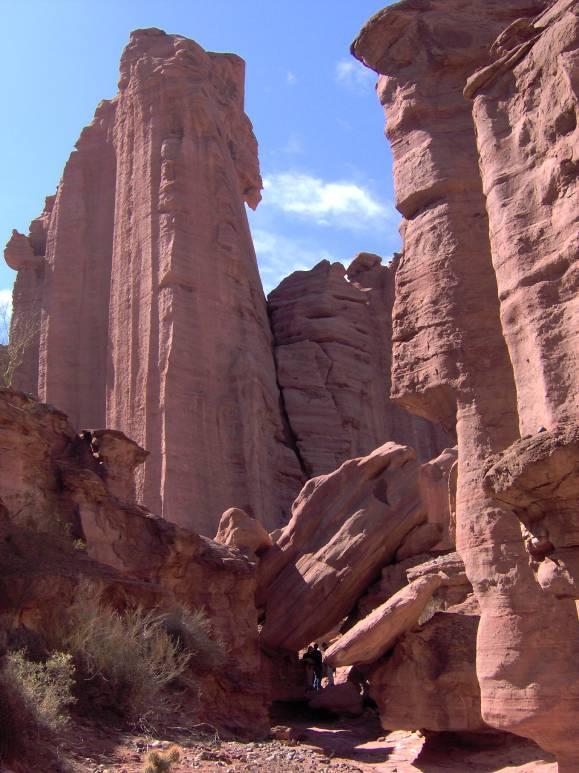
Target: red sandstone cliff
(139, 288)
(56, 485)
(492, 359)
(153, 318)
(332, 334)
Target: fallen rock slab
(375, 635)
(345, 526)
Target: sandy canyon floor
(310, 745)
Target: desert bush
(43, 690)
(129, 657)
(192, 631)
(158, 761)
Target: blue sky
(325, 163)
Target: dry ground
(314, 745)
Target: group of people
(316, 669)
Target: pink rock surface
(153, 316)
(429, 681)
(435, 488)
(56, 486)
(238, 530)
(525, 111)
(450, 356)
(344, 527)
(376, 634)
(332, 335)
(538, 478)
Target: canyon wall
(140, 306)
(332, 336)
(140, 285)
(485, 325)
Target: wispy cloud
(279, 255)
(353, 75)
(294, 145)
(291, 78)
(341, 203)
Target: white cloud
(291, 78)
(278, 256)
(343, 204)
(354, 75)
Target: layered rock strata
(57, 486)
(332, 337)
(142, 281)
(461, 351)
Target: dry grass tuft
(128, 657)
(34, 700)
(192, 631)
(161, 761)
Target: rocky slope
(57, 487)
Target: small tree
(15, 340)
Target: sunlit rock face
(332, 330)
(485, 314)
(142, 283)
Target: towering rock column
(449, 356)
(153, 319)
(191, 374)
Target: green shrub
(158, 762)
(129, 657)
(44, 688)
(193, 633)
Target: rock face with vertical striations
(332, 335)
(142, 281)
(484, 317)
(525, 108)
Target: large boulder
(375, 635)
(345, 527)
(239, 530)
